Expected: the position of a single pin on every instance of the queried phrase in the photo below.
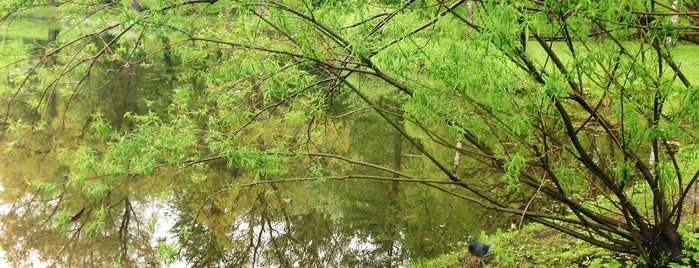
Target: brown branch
(421, 27)
(678, 205)
(281, 52)
(364, 21)
(686, 13)
(524, 212)
(189, 2)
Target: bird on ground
(478, 249)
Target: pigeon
(477, 248)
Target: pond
(213, 215)
(328, 224)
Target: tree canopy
(580, 105)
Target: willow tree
(580, 102)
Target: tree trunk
(135, 5)
(52, 56)
(675, 18)
(457, 155)
(469, 13)
(664, 245)
(167, 59)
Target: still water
(329, 224)
(194, 217)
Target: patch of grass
(444, 260)
(532, 246)
(26, 29)
(685, 54)
(43, 12)
(687, 57)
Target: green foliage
(513, 168)
(610, 263)
(152, 224)
(62, 220)
(317, 90)
(96, 190)
(100, 126)
(691, 241)
(117, 264)
(167, 252)
(85, 159)
(95, 227)
(571, 179)
(47, 188)
(533, 246)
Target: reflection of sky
(4, 209)
(156, 208)
(166, 216)
(357, 246)
(33, 259)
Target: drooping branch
(550, 220)
(281, 52)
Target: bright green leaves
(513, 169)
(97, 170)
(622, 171)
(62, 220)
(152, 224)
(100, 126)
(85, 160)
(690, 109)
(261, 163)
(47, 188)
(93, 228)
(688, 158)
(571, 180)
(167, 252)
(556, 86)
(87, 172)
(96, 189)
(184, 101)
(504, 26)
(155, 143)
(98, 225)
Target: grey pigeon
(477, 248)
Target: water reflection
(33, 233)
(192, 217)
(249, 227)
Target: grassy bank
(532, 246)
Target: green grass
(26, 29)
(532, 246)
(685, 54)
(687, 57)
(17, 37)
(538, 246)
(30, 24)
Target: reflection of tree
(251, 92)
(294, 225)
(51, 218)
(30, 233)
(262, 225)
(401, 222)
(257, 226)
